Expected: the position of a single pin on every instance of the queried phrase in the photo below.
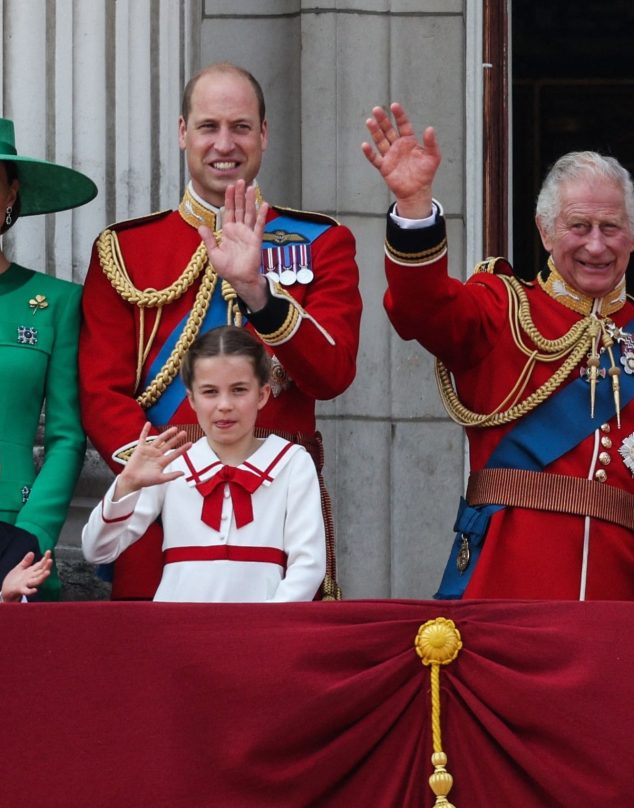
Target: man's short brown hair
(222, 67)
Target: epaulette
(494, 266)
(310, 215)
(150, 217)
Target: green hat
(44, 187)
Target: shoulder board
(139, 220)
(310, 215)
(494, 266)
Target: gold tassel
(234, 315)
(593, 363)
(614, 373)
(438, 643)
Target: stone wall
(395, 463)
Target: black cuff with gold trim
(269, 319)
(419, 245)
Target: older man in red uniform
(541, 374)
(151, 289)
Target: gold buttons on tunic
(606, 442)
(601, 475)
(605, 427)
(604, 458)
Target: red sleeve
(107, 366)
(457, 322)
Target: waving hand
(407, 165)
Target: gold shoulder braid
(581, 340)
(113, 266)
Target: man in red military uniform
(150, 289)
(541, 374)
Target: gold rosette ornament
(438, 643)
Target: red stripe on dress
(223, 552)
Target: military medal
(304, 273)
(464, 555)
(627, 352)
(287, 275)
(268, 264)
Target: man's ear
(546, 238)
(182, 131)
(264, 134)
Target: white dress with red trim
(248, 534)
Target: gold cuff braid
(285, 331)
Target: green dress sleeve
(64, 441)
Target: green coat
(38, 366)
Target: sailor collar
(201, 463)
(556, 287)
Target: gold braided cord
(170, 369)
(172, 366)
(113, 266)
(549, 346)
(234, 315)
(575, 344)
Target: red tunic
(527, 553)
(155, 251)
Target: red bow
(241, 485)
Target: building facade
(97, 83)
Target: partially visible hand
(147, 463)
(407, 166)
(237, 258)
(23, 579)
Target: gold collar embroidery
(561, 291)
(195, 213)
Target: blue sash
(535, 442)
(162, 411)
(278, 229)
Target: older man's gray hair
(581, 165)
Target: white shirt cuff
(417, 224)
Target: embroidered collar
(197, 212)
(556, 287)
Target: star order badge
(280, 379)
(626, 450)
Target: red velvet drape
(320, 705)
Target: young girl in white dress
(241, 516)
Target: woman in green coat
(39, 326)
